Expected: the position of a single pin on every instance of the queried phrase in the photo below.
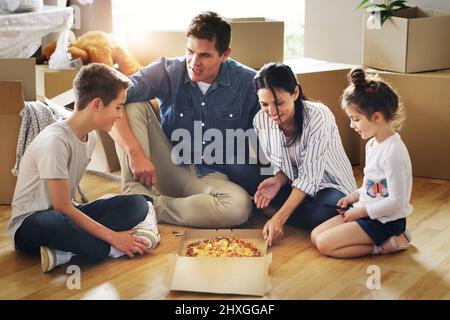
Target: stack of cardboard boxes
(414, 48)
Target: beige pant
(211, 201)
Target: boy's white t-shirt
(387, 184)
(56, 153)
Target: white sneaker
(51, 258)
(149, 236)
(149, 224)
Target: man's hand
(125, 242)
(143, 169)
(266, 191)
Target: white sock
(62, 257)
(376, 250)
(114, 253)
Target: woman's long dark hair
(280, 76)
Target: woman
(301, 140)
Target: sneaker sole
(148, 235)
(48, 259)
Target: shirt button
(203, 103)
(231, 115)
(181, 115)
(203, 142)
(203, 124)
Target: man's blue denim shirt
(230, 103)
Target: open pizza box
(226, 275)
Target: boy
(44, 218)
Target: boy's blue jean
(54, 230)
(311, 212)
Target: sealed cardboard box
(12, 103)
(426, 99)
(91, 16)
(51, 83)
(257, 41)
(325, 82)
(230, 275)
(413, 40)
(23, 70)
(248, 35)
(148, 46)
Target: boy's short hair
(97, 80)
(210, 26)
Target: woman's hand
(267, 190)
(273, 229)
(125, 242)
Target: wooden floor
(297, 270)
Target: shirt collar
(223, 77)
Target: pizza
(222, 247)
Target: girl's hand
(267, 190)
(353, 214)
(273, 229)
(125, 242)
(344, 202)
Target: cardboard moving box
(230, 275)
(148, 46)
(12, 97)
(249, 42)
(426, 99)
(413, 40)
(22, 70)
(51, 83)
(257, 41)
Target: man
(44, 219)
(201, 95)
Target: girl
(375, 217)
(302, 142)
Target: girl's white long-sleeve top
(387, 184)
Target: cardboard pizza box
(228, 275)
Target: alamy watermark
(74, 279)
(211, 146)
(374, 280)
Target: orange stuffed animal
(98, 46)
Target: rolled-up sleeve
(312, 158)
(150, 82)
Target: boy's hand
(125, 242)
(143, 169)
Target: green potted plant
(386, 8)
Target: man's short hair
(97, 80)
(210, 26)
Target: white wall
(333, 28)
